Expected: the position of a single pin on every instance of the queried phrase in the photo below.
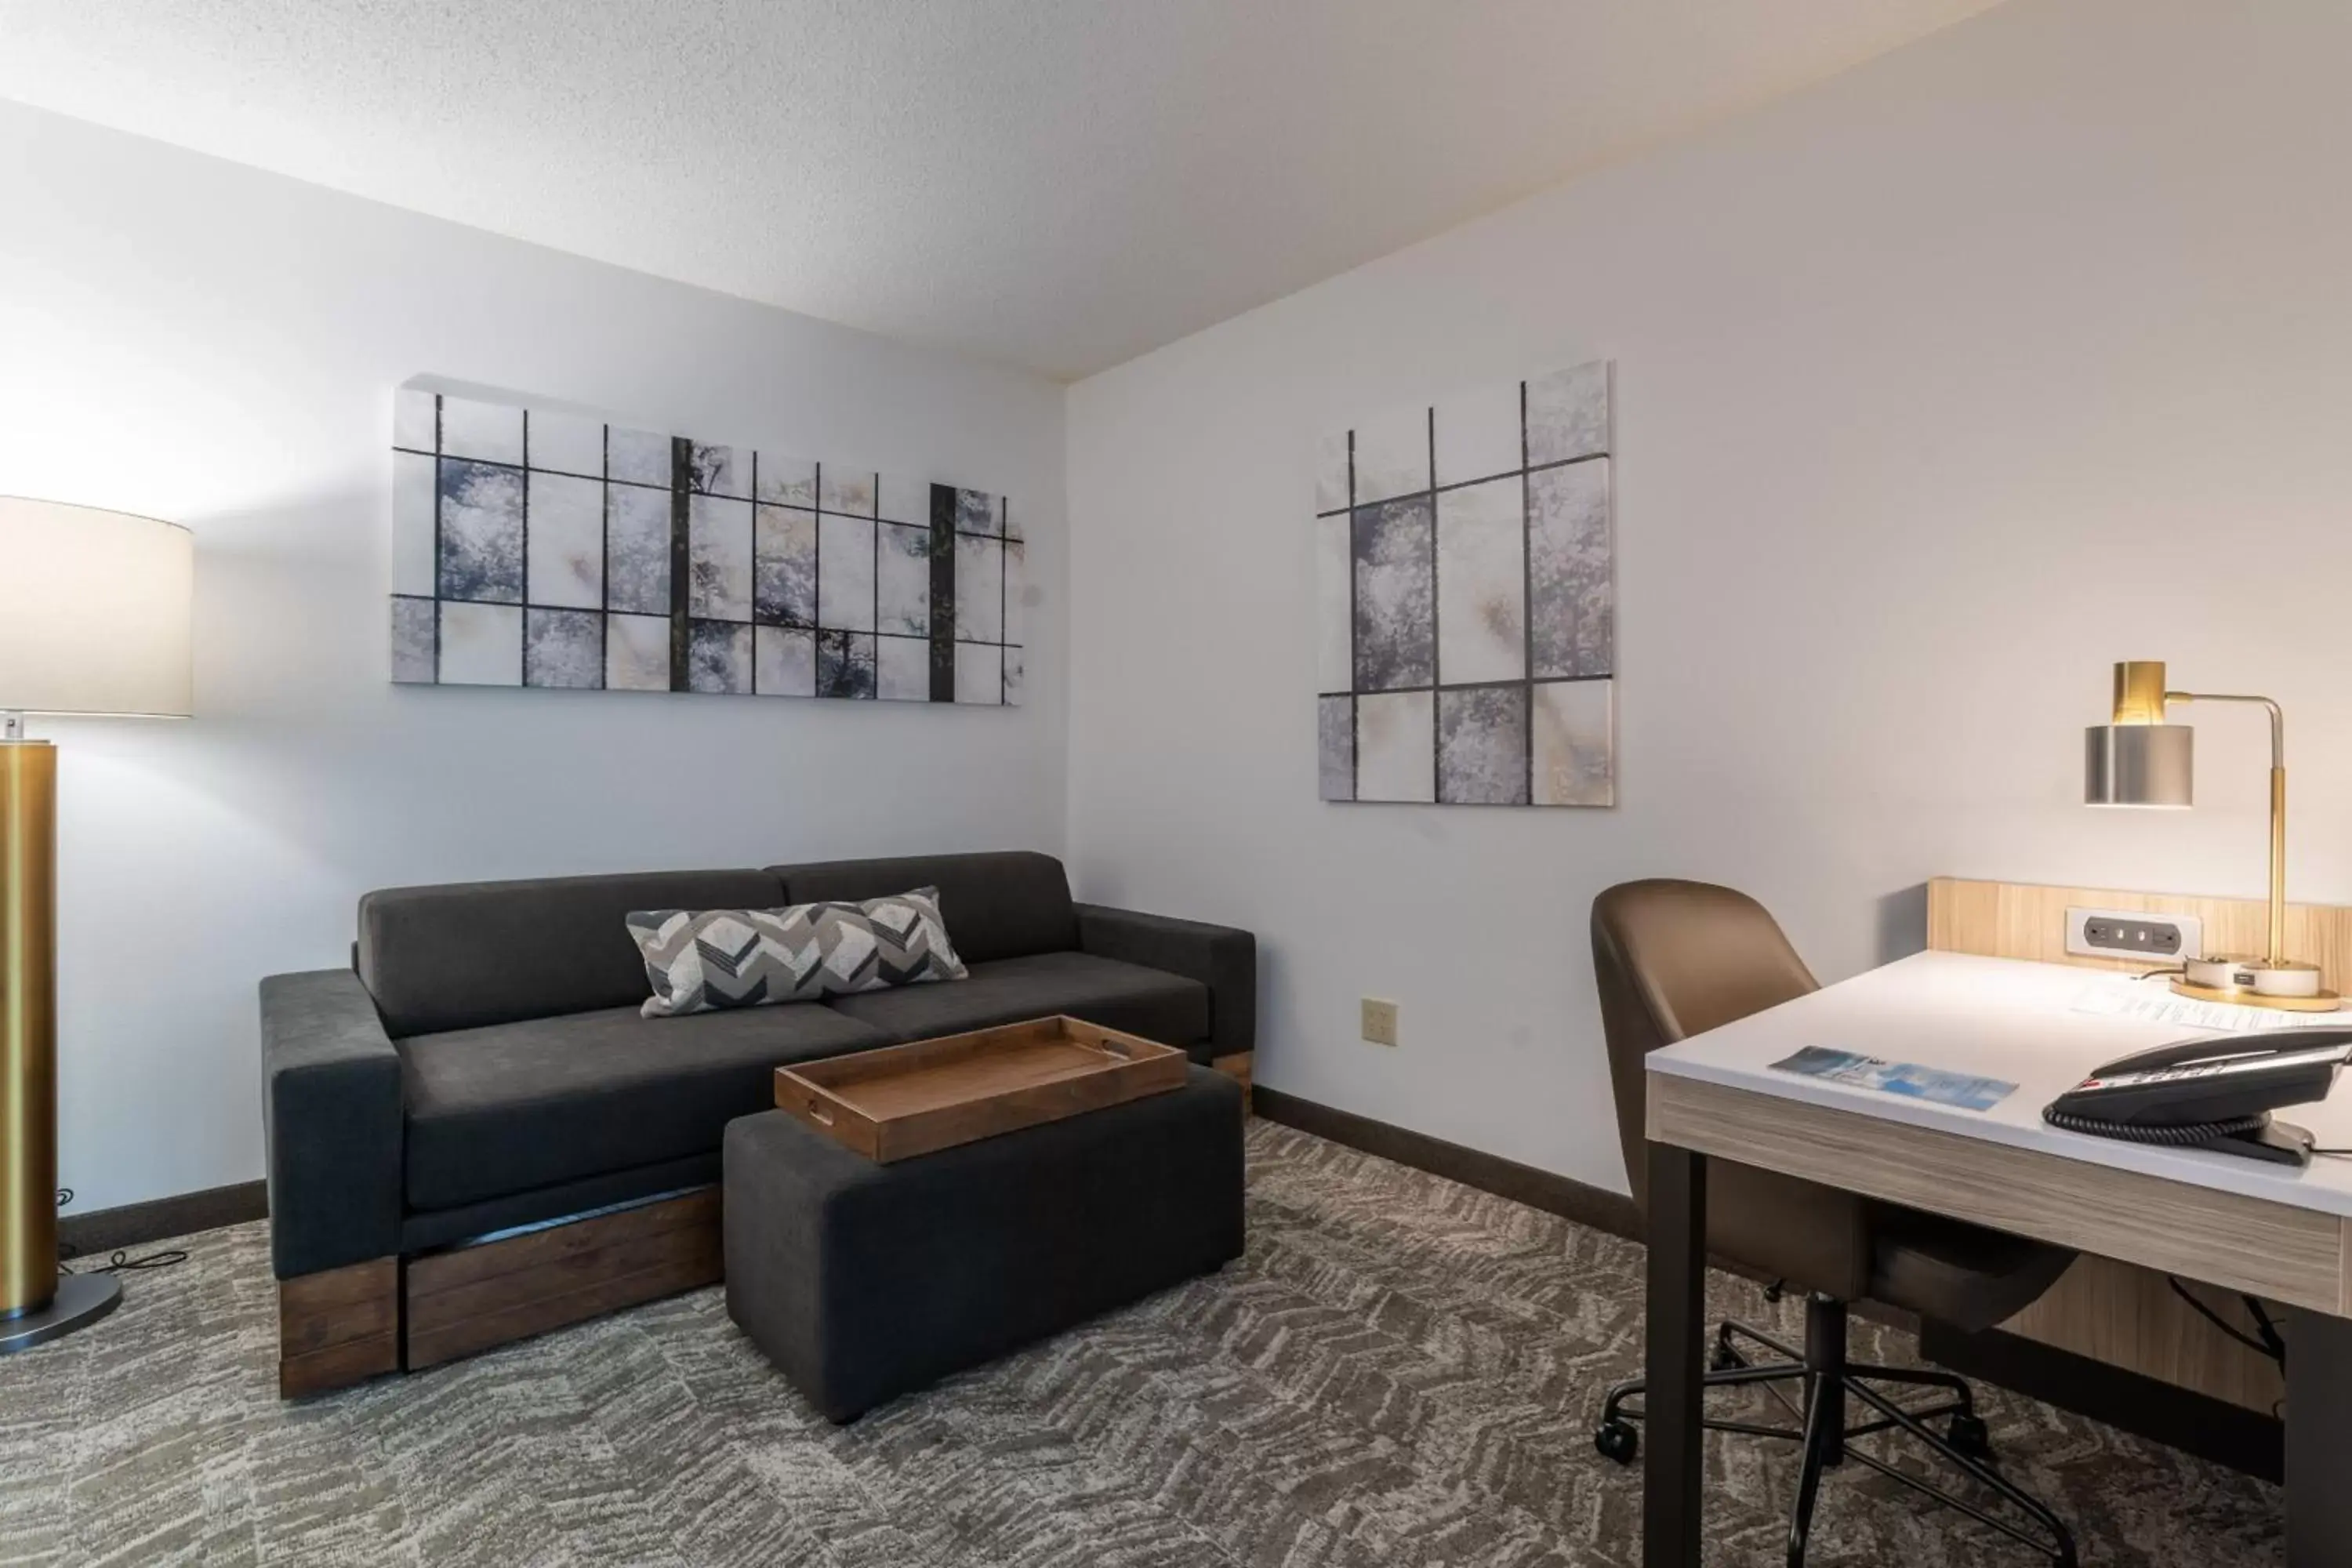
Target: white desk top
(2002, 1019)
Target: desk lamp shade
(94, 613)
(2138, 759)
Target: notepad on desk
(2153, 1002)
(1966, 1091)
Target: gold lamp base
(79, 1301)
(2324, 1002)
(2289, 986)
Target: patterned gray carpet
(1402, 1371)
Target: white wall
(2022, 350)
(195, 341)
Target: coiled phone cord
(2184, 1136)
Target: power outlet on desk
(2163, 939)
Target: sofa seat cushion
(510, 1107)
(1152, 1003)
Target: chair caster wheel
(1617, 1440)
(1723, 1358)
(1968, 1434)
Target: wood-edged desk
(2276, 1232)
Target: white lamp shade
(94, 611)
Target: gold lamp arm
(2278, 807)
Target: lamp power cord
(120, 1261)
(2266, 1341)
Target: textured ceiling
(1059, 184)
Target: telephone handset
(2209, 1093)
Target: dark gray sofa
(483, 1066)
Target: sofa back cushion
(1006, 904)
(468, 954)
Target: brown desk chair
(1674, 959)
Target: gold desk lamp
(94, 615)
(2139, 760)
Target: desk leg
(2318, 1438)
(1672, 1440)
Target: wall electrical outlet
(2163, 939)
(1380, 1021)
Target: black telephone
(2209, 1094)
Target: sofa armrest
(1220, 957)
(332, 1110)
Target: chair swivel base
(1829, 1380)
(81, 1300)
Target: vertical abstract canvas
(1466, 625)
(539, 548)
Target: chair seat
(1958, 1274)
(512, 1107)
(1152, 1003)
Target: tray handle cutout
(820, 1110)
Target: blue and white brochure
(1966, 1090)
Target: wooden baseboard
(468, 1298)
(338, 1326)
(159, 1219)
(1598, 1207)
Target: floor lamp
(94, 610)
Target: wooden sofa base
(338, 1328)
(471, 1298)
(388, 1314)
(1238, 1065)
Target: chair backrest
(1673, 960)
(1677, 959)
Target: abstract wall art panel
(546, 548)
(1466, 599)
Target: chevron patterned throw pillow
(702, 960)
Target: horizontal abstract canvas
(537, 548)
(1466, 599)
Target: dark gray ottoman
(863, 1281)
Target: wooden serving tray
(903, 1101)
